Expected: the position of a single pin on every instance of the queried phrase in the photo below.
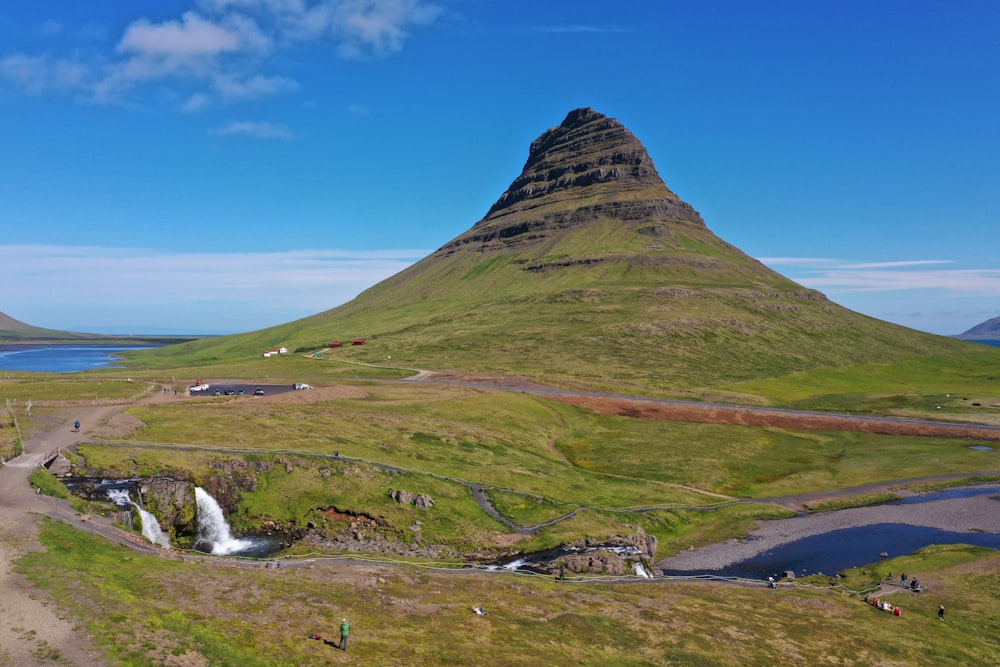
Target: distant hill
(12, 330)
(16, 332)
(988, 330)
(588, 269)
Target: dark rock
(418, 500)
(172, 502)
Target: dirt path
(33, 631)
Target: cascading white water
(642, 572)
(150, 526)
(213, 528)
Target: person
(562, 571)
(345, 630)
(76, 425)
(770, 582)
(902, 580)
(941, 612)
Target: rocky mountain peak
(587, 149)
(588, 167)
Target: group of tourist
(883, 605)
(905, 582)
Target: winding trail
(33, 633)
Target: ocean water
(60, 358)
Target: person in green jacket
(345, 630)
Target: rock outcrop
(171, 501)
(418, 500)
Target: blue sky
(215, 166)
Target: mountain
(16, 332)
(988, 330)
(589, 270)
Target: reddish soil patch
(723, 414)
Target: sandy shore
(977, 513)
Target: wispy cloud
(844, 276)
(256, 129)
(571, 28)
(220, 48)
(178, 287)
(39, 75)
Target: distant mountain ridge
(988, 330)
(16, 332)
(589, 270)
(12, 330)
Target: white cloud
(253, 87)
(44, 283)
(220, 49)
(578, 28)
(196, 102)
(378, 26)
(191, 39)
(842, 276)
(257, 129)
(360, 27)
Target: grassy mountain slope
(589, 269)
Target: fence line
(18, 448)
(93, 402)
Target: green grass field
(539, 459)
(163, 612)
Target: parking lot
(242, 389)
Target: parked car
(241, 392)
(300, 385)
(258, 391)
(230, 392)
(216, 393)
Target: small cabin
(335, 345)
(358, 341)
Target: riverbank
(970, 514)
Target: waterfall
(642, 572)
(213, 528)
(150, 526)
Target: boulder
(418, 500)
